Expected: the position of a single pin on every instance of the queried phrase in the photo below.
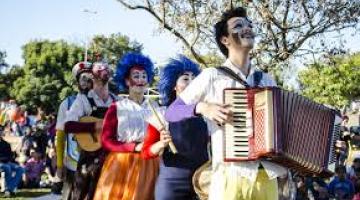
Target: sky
(25, 20)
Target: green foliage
(112, 48)
(46, 79)
(3, 64)
(7, 79)
(47, 71)
(335, 84)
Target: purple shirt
(178, 111)
(34, 168)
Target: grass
(28, 193)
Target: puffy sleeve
(184, 106)
(61, 115)
(109, 132)
(152, 136)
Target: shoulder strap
(70, 101)
(257, 77)
(227, 71)
(112, 96)
(91, 101)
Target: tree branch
(193, 9)
(303, 4)
(167, 27)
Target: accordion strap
(227, 71)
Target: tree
(3, 64)
(283, 26)
(7, 79)
(47, 74)
(46, 78)
(113, 47)
(335, 82)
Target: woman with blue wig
(190, 137)
(125, 175)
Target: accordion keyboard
(238, 141)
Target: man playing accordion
(204, 96)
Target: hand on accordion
(219, 113)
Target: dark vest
(190, 137)
(98, 111)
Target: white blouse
(132, 119)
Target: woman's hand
(158, 147)
(165, 138)
(139, 146)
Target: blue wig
(128, 61)
(169, 75)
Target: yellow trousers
(241, 188)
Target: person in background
(50, 171)
(356, 177)
(13, 172)
(357, 191)
(34, 168)
(341, 187)
(350, 169)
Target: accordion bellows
(283, 127)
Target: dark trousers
(87, 174)
(68, 184)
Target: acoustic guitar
(89, 141)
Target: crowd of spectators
(29, 160)
(31, 163)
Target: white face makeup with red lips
(183, 81)
(137, 80)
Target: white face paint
(183, 81)
(85, 81)
(240, 29)
(138, 80)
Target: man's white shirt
(208, 87)
(81, 106)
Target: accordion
(282, 127)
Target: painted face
(240, 29)
(183, 81)
(85, 81)
(137, 79)
(101, 72)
